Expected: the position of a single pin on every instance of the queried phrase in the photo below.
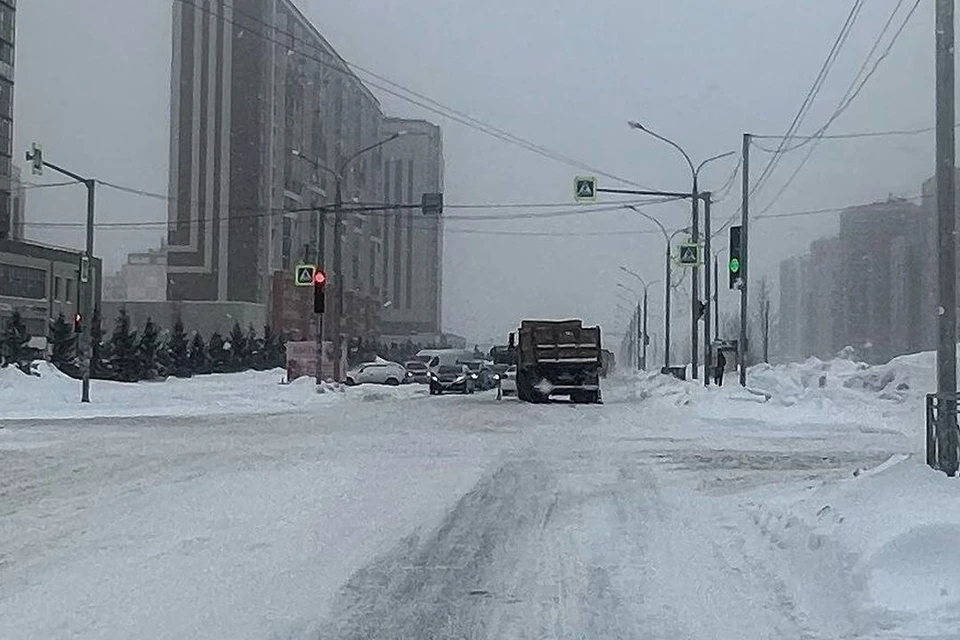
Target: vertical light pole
(668, 240)
(744, 262)
(695, 238)
(85, 285)
(338, 174)
(716, 293)
(946, 248)
(646, 336)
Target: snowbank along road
(668, 512)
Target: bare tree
(761, 321)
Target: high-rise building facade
(412, 241)
(254, 82)
(8, 29)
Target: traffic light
(77, 322)
(35, 156)
(319, 298)
(735, 265)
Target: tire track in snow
(516, 558)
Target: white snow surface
(232, 506)
(54, 395)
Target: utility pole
(338, 282)
(646, 336)
(947, 257)
(744, 263)
(85, 286)
(707, 349)
(766, 331)
(640, 348)
(716, 297)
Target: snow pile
(52, 395)
(896, 529)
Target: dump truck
(558, 358)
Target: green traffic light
(734, 265)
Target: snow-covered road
(668, 512)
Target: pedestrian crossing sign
(585, 188)
(690, 255)
(303, 275)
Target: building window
(373, 267)
(286, 242)
(23, 282)
(70, 297)
(409, 182)
(6, 99)
(398, 182)
(355, 261)
(57, 288)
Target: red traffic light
(319, 277)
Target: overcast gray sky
(93, 87)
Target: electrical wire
(852, 92)
(814, 91)
(424, 102)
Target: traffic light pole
(716, 296)
(707, 350)
(744, 262)
(695, 281)
(85, 285)
(338, 282)
(666, 311)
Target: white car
(508, 381)
(380, 372)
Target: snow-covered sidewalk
(53, 395)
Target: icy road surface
(661, 514)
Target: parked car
(417, 371)
(380, 372)
(482, 374)
(508, 381)
(456, 378)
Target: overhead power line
(395, 89)
(811, 94)
(856, 86)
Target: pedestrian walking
(719, 369)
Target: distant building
(863, 288)
(8, 28)
(142, 278)
(412, 242)
(41, 282)
(243, 101)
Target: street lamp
(338, 174)
(716, 292)
(668, 239)
(644, 339)
(695, 223)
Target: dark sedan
(456, 378)
(417, 372)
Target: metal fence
(942, 432)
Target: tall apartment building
(412, 242)
(8, 28)
(863, 288)
(18, 204)
(252, 82)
